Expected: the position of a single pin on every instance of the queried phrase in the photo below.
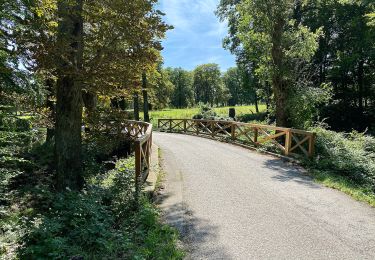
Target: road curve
(232, 203)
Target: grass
(345, 185)
(190, 112)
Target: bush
(15, 124)
(100, 223)
(349, 155)
(207, 113)
(259, 117)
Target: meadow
(190, 112)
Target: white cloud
(197, 35)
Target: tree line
(206, 84)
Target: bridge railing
(289, 141)
(140, 134)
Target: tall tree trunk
(90, 100)
(360, 85)
(51, 106)
(145, 98)
(136, 106)
(256, 102)
(278, 83)
(68, 143)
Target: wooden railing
(289, 141)
(140, 134)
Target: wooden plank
(312, 141)
(301, 147)
(300, 142)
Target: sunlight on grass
(340, 183)
(190, 112)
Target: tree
(344, 59)
(233, 80)
(183, 94)
(121, 40)
(208, 86)
(265, 34)
(162, 88)
(69, 95)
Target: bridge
(229, 202)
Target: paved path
(232, 203)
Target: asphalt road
(232, 203)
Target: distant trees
(205, 84)
(208, 85)
(242, 87)
(183, 94)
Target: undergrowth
(100, 222)
(345, 162)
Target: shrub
(207, 113)
(349, 155)
(15, 124)
(100, 223)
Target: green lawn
(190, 112)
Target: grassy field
(190, 112)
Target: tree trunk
(145, 98)
(278, 83)
(90, 100)
(360, 85)
(256, 102)
(68, 143)
(136, 106)
(51, 106)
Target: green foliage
(345, 60)
(208, 85)
(305, 101)
(242, 86)
(162, 89)
(183, 95)
(14, 123)
(351, 156)
(208, 113)
(100, 222)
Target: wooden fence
(289, 141)
(140, 134)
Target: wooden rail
(140, 134)
(289, 141)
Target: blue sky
(197, 35)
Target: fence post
(158, 123)
(233, 131)
(288, 142)
(185, 130)
(197, 127)
(170, 125)
(255, 135)
(138, 170)
(212, 123)
(312, 145)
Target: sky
(197, 35)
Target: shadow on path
(287, 172)
(198, 235)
